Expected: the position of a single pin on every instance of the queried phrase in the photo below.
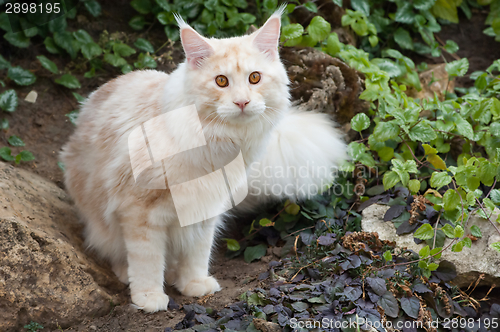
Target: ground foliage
(435, 161)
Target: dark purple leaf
(172, 305)
(459, 310)
(307, 237)
(355, 261)
(394, 212)
(406, 228)
(373, 297)
(378, 285)
(390, 305)
(409, 328)
(446, 271)
(352, 293)
(268, 309)
(234, 324)
(274, 263)
(387, 273)
(375, 190)
(363, 304)
(299, 306)
(274, 292)
(326, 240)
(298, 277)
(204, 319)
(495, 310)
(264, 275)
(411, 306)
(421, 288)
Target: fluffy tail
(301, 159)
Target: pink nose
(241, 103)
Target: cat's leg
(194, 244)
(145, 243)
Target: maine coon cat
(240, 90)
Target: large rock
(45, 276)
(470, 263)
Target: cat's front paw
(201, 286)
(150, 301)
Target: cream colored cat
(240, 90)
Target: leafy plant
(33, 327)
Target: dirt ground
(44, 128)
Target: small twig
(435, 231)
(488, 217)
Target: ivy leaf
(47, 64)
(50, 45)
(319, 28)
(144, 45)
(411, 306)
(391, 178)
(385, 130)
(457, 67)
(476, 231)
(26, 156)
(403, 38)
(232, 244)
(405, 13)
(68, 81)
(21, 76)
(115, 60)
(137, 22)
(463, 126)
(361, 6)
(451, 200)
(82, 36)
(360, 122)
(91, 50)
(93, 7)
(254, 253)
(422, 132)
(449, 231)
(142, 6)
(145, 61)
(65, 41)
(17, 39)
(292, 31)
(440, 179)
(15, 141)
(459, 231)
(8, 101)
(424, 232)
(311, 6)
(6, 154)
(390, 305)
(123, 50)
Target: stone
(471, 263)
(45, 274)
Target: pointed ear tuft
(195, 46)
(267, 38)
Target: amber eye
(254, 77)
(222, 81)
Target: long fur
(136, 227)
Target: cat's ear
(267, 38)
(195, 46)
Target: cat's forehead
(235, 55)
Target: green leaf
(391, 178)
(264, 222)
(21, 76)
(47, 64)
(83, 37)
(459, 231)
(451, 47)
(270, 4)
(127, 69)
(123, 50)
(463, 126)
(422, 132)
(360, 122)
(50, 45)
(254, 253)
(145, 61)
(446, 9)
(467, 242)
(386, 153)
(495, 129)
(58, 24)
(73, 116)
(385, 131)
(405, 13)
(15, 141)
(137, 22)
(292, 208)
(292, 31)
(319, 28)
(68, 81)
(457, 247)
(476, 231)
(65, 41)
(449, 231)
(232, 244)
(414, 185)
(144, 45)
(434, 252)
(91, 50)
(423, 4)
(115, 60)
(6, 154)
(8, 101)
(440, 179)
(311, 6)
(4, 124)
(495, 245)
(436, 161)
(373, 40)
(361, 6)
(457, 67)
(495, 196)
(17, 39)
(79, 98)
(403, 38)
(26, 156)
(432, 266)
(4, 64)
(387, 256)
(424, 252)
(142, 6)
(424, 232)
(451, 200)
(93, 7)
